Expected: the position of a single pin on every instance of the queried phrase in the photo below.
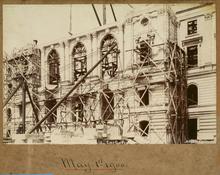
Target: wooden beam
(12, 94)
(32, 104)
(73, 88)
(113, 12)
(97, 16)
(23, 107)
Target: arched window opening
(54, 71)
(143, 50)
(9, 114)
(49, 104)
(8, 134)
(192, 95)
(144, 126)
(110, 63)
(107, 105)
(79, 60)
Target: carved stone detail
(208, 16)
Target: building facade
(156, 83)
(197, 36)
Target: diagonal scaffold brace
(73, 88)
(12, 94)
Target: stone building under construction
(149, 79)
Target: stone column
(121, 48)
(68, 64)
(44, 70)
(213, 39)
(94, 55)
(98, 111)
(89, 49)
(69, 54)
(60, 50)
(128, 45)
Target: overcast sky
(24, 23)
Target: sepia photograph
(109, 73)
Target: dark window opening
(79, 61)
(144, 21)
(20, 129)
(144, 51)
(9, 72)
(10, 86)
(54, 71)
(49, 104)
(144, 96)
(144, 126)
(107, 105)
(192, 54)
(8, 134)
(9, 114)
(192, 27)
(192, 129)
(110, 63)
(192, 95)
(78, 111)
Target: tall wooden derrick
(22, 80)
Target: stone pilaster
(44, 70)
(89, 50)
(121, 48)
(60, 50)
(68, 64)
(95, 54)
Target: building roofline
(193, 8)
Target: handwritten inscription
(97, 165)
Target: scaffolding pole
(96, 14)
(23, 107)
(32, 104)
(74, 87)
(173, 70)
(12, 94)
(113, 12)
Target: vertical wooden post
(104, 14)
(23, 106)
(73, 88)
(33, 106)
